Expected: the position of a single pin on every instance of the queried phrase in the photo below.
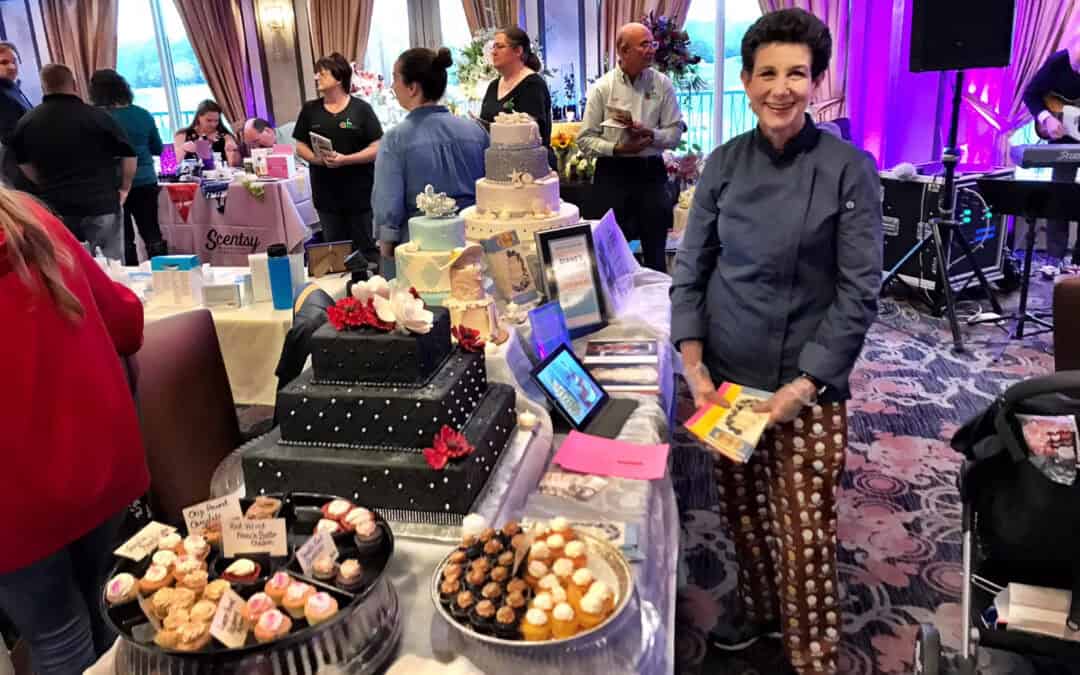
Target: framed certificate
(571, 276)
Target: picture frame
(570, 275)
(549, 329)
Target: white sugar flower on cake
(521, 178)
(514, 118)
(405, 310)
(435, 205)
(374, 287)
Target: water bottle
(281, 291)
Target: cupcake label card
(243, 535)
(144, 542)
(199, 516)
(229, 627)
(321, 544)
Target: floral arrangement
(474, 69)
(684, 169)
(372, 87)
(467, 338)
(447, 445)
(574, 165)
(673, 55)
(382, 306)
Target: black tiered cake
(359, 422)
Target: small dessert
(536, 571)
(482, 564)
(516, 601)
(196, 546)
(561, 526)
(518, 542)
(120, 589)
(493, 548)
(277, 585)
(518, 586)
(506, 623)
(556, 543)
(453, 571)
(215, 589)
(328, 526)
(350, 576)
(505, 559)
(448, 590)
(475, 580)
(161, 601)
(580, 582)
(458, 558)
(181, 598)
(575, 551)
(324, 568)
(319, 608)
(536, 627)
(473, 524)
(193, 636)
(511, 530)
(203, 611)
(605, 593)
(196, 581)
(165, 558)
(337, 509)
(558, 594)
(539, 531)
(357, 516)
(541, 552)
(212, 533)
(242, 571)
(295, 598)
(171, 542)
(263, 508)
(167, 639)
(257, 605)
(462, 606)
(482, 618)
(544, 601)
(549, 582)
(564, 622)
(592, 612)
(491, 591)
(271, 626)
(156, 578)
(500, 575)
(487, 535)
(368, 538)
(177, 617)
(185, 565)
(563, 569)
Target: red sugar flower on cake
(347, 313)
(447, 444)
(415, 293)
(468, 338)
(374, 321)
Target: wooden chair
(186, 409)
(1067, 324)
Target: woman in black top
(519, 87)
(207, 124)
(341, 178)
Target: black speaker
(961, 34)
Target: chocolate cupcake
(518, 586)
(350, 575)
(493, 548)
(475, 580)
(369, 538)
(500, 575)
(487, 535)
(472, 547)
(462, 606)
(506, 559)
(511, 529)
(458, 558)
(506, 623)
(517, 602)
(448, 590)
(482, 617)
(482, 564)
(492, 591)
(453, 571)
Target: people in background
(630, 174)
(430, 146)
(13, 105)
(519, 87)
(207, 125)
(775, 286)
(341, 177)
(110, 91)
(70, 150)
(258, 133)
(72, 444)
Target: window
(160, 66)
(389, 36)
(455, 35)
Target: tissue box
(178, 287)
(222, 295)
(174, 262)
(280, 166)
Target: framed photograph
(571, 276)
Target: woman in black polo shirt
(341, 180)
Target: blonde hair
(29, 245)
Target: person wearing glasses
(519, 87)
(632, 115)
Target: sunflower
(562, 141)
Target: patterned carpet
(899, 511)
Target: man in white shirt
(631, 117)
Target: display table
(191, 223)
(251, 339)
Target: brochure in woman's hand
(734, 431)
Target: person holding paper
(343, 173)
(207, 125)
(632, 115)
(73, 453)
(775, 286)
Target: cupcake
(487, 535)
(368, 538)
(196, 546)
(171, 542)
(242, 571)
(203, 611)
(575, 551)
(263, 508)
(592, 612)
(481, 564)
(161, 602)
(350, 576)
(462, 606)
(277, 585)
(215, 590)
(491, 591)
(194, 636)
(337, 509)
(257, 605)
(518, 586)
(549, 582)
(296, 597)
(506, 624)
(357, 516)
(482, 617)
(509, 531)
(558, 594)
(181, 598)
(196, 581)
(517, 602)
(164, 558)
(156, 578)
(541, 552)
(325, 568)
(555, 543)
(272, 625)
(564, 622)
(458, 558)
(536, 571)
(453, 571)
(167, 638)
(544, 601)
(120, 589)
(329, 526)
(448, 590)
(319, 608)
(500, 575)
(212, 533)
(475, 580)
(177, 617)
(185, 565)
(561, 526)
(536, 627)
(605, 593)
(493, 548)
(563, 569)
(505, 559)
(580, 582)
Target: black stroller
(1018, 526)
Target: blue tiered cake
(424, 261)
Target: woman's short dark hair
(791, 26)
(109, 88)
(519, 38)
(427, 68)
(339, 69)
(208, 106)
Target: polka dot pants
(780, 511)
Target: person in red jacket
(72, 455)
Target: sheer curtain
(81, 35)
(341, 26)
(217, 37)
(488, 14)
(829, 101)
(616, 13)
